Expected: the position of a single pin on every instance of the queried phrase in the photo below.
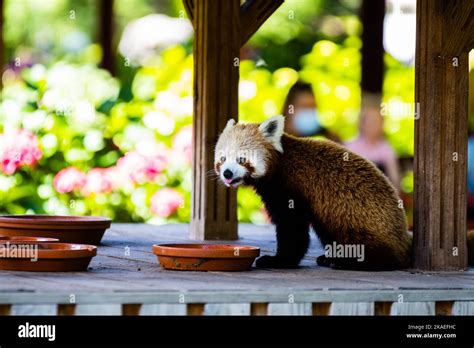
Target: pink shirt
(379, 153)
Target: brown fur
(352, 201)
(343, 196)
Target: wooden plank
(463, 308)
(151, 285)
(216, 78)
(257, 298)
(163, 309)
(227, 309)
(33, 309)
(99, 309)
(441, 85)
(289, 309)
(253, 14)
(413, 308)
(352, 308)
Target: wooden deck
(125, 278)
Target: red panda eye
(222, 158)
(241, 160)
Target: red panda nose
(227, 174)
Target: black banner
(208, 330)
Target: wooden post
(382, 308)
(217, 41)
(321, 308)
(195, 309)
(66, 309)
(5, 309)
(258, 309)
(131, 309)
(216, 77)
(106, 25)
(444, 37)
(372, 14)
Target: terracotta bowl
(68, 229)
(206, 257)
(50, 257)
(25, 239)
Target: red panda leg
(292, 244)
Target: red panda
(320, 184)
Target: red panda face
(243, 151)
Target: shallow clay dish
(50, 257)
(25, 239)
(206, 257)
(68, 229)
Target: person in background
(372, 145)
(300, 111)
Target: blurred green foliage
(86, 119)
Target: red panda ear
(272, 129)
(229, 124)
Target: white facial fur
(248, 142)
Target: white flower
(143, 37)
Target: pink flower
(117, 177)
(182, 143)
(166, 201)
(98, 180)
(68, 180)
(141, 168)
(18, 147)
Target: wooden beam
(460, 17)
(321, 308)
(5, 309)
(444, 307)
(258, 309)
(216, 78)
(253, 14)
(441, 91)
(195, 309)
(189, 7)
(372, 15)
(106, 25)
(66, 309)
(131, 309)
(382, 308)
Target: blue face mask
(306, 122)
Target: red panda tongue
(229, 182)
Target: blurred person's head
(300, 111)
(371, 123)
